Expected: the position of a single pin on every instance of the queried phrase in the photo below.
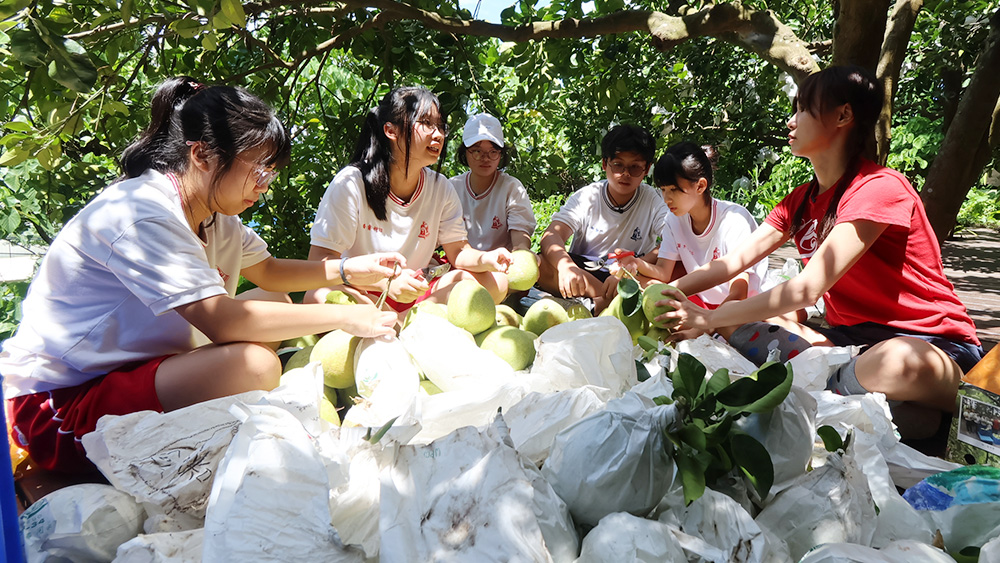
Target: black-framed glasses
(634, 170)
(429, 126)
(479, 154)
(264, 176)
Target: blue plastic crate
(10, 539)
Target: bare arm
(519, 240)
(463, 256)
(765, 240)
(277, 274)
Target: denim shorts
(965, 354)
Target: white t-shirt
(730, 225)
(599, 226)
(491, 215)
(344, 222)
(105, 293)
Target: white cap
(482, 126)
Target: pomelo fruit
(578, 311)
(298, 359)
(507, 316)
(336, 352)
(523, 270)
(429, 387)
(634, 323)
(650, 296)
(513, 345)
(337, 297)
(471, 307)
(300, 342)
(429, 307)
(543, 315)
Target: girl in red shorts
(133, 307)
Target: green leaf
(13, 157)
(126, 9)
(718, 381)
(647, 343)
(186, 28)
(831, 438)
(10, 220)
(10, 7)
(374, 439)
(48, 155)
(28, 47)
(694, 436)
(641, 372)
(754, 461)
(691, 471)
(17, 126)
(234, 11)
(689, 377)
(759, 392)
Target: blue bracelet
(343, 278)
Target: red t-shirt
(899, 281)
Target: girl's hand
(366, 321)
(572, 280)
(686, 315)
(629, 263)
(408, 286)
(368, 269)
(497, 260)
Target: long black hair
(228, 120)
(818, 94)
(402, 107)
(689, 161)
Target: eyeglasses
(478, 154)
(428, 126)
(634, 170)
(264, 176)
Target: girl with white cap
(495, 205)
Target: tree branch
(897, 38)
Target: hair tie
(196, 85)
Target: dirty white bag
(167, 460)
(444, 413)
(624, 538)
(165, 547)
(595, 351)
(536, 419)
(813, 367)
(80, 523)
(787, 433)
(714, 354)
(388, 380)
(657, 385)
(271, 476)
(299, 393)
(613, 461)
(990, 552)
(470, 496)
(449, 357)
(722, 523)
(903, 551)
(830, 504)
(353, 466)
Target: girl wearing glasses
(496, 208)
(869, 251)
(699, 228)
(148, 269)
(388, 199)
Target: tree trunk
(897, 38)
(858, 32)
(966, 145)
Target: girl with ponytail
(388, 199)
(868, 250)
(134, 307)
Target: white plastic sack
(353, 467)
(965, 525)
(657, 385)
(389, 381)
(536, 419)
(714, 354)
(830, 504)
(167, 460)
(787, 433)
(471, 497)
(80, 523)
(721, 523)
(299, 393)
(595, 351)
(165, 547)
(613, 461)
(444, 413)
(624, 538)
(905, 551)
(270, 499)
(449, 357)
(813, 367)
(990, 552)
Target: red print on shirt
(223, 275)
(496, 223)
(715, 253)
(368, 227)
(425, 231)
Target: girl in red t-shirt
(869, 252)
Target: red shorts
(697, 301)
(403, 307)
(49, 424)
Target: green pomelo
(336, 352)
(328, 411)
(346, 396)
(650, 310)
(482, 335)
(507, 316)
(428, 307)
(543, 315)
(578, 311)
(300, 342)
(513, 345)
(430, 388)
(471, 307)
(338, 297)
(298, 359)
(635, 324)
(658, 334)
(523, 270)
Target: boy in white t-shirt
(495, 205)
(619, 213)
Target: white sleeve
(572, 213)
(254, 248)
(668, 246)
(336, 223)
(736, 227)
(519, 213)
(452, 225)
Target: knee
(260, 365)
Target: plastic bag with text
(164, 547)
(714, 354)
(443, 413)
(903, 551)
(595, 351)
(470, 496)
(722, 523)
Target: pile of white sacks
(463, 475)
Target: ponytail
(154, 149)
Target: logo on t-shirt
(496, 223)
(715, 253)
(425, 231)
(809, 241)
(370, 227)
(223, 275)
(637, 234)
